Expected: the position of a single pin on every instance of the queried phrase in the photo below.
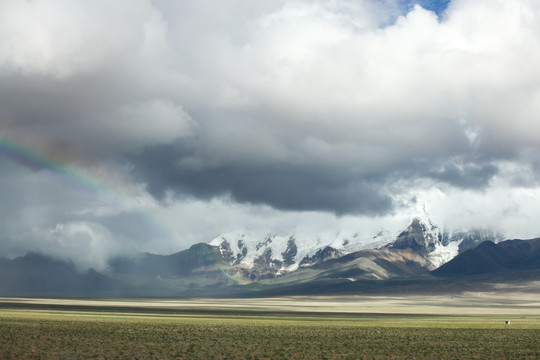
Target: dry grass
(269, 329)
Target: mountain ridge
(272, 255)
(489, 257)
(209, 270)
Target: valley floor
(502, 299)
(465, 326)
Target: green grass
(69, 334)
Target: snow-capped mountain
(282, 254)
(439, 247)
(259, 257)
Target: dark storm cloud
(465, 172)
(300, 187)
(283, 186)
(466, 176)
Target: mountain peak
(418, 237)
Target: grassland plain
(290, 328)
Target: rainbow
(35, 161)
(74, 178)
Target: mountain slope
(146, 275)
(35, 274)
(488, 257)
(199, 266)
(376, 264)
(198, 258)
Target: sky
(140, 125)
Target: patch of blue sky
(405, 6)
(437, 6)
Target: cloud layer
(325, 106)
(337, 108)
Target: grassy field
(283, 328)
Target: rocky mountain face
(439, 247)
(255, 258)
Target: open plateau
(470, 325)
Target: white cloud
(64, 38)
(90, 244)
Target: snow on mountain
(425, 239)
(442, 245)
(291, 251)
(441, 254)
(270, 255)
